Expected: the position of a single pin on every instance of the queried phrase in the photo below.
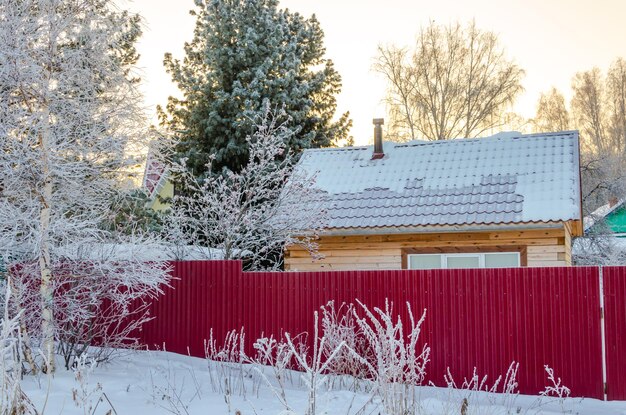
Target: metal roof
(504, 179)
(600, 213)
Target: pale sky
(550, 39)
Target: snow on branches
(69, 111)
(254, 213)
(370, 352)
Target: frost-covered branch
(556, 388)
(394, 361)
(254, 213)
(12, 398)
(70, 130)
(316, 364)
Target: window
(478, 260)
(463, 261)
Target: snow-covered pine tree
(243, 53)
(69, 111)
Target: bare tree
(456, 82)
(589, 112)
(616, 96)
(603, 176)
(599, 111)
(392, 63)
(552, 114)
(69, 111)
(252, 214)
(599, 247)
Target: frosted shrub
(315, 365)
(339, 326)
(174, 393)
(12, 399)
(373, 350)
(555, 389)
(278, 356)
(476, 396)
(396, 365)
(98, 302)
(251, 214)
(226, 364)
(85, 395)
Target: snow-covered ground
(139, 383)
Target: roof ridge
(490, 138)
(419, 142)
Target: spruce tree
(244, 54)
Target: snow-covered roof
(504, 179)
(601, 213)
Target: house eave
(440, 228)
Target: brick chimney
(378, 139)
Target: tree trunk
(46, 289)
(45, 142)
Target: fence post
(602, 332)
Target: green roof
(607, 218)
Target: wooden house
(502, 201)
(157, 185)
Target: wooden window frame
(522, 249)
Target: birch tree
(599, 107)
(599, 112)
(588, 107)
(455, 82)
(69, 111)
(552, 114)
(616, 97)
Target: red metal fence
(475, 318)
(614, 287)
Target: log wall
(537, 247)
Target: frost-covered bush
(397, 364)
(278, 356)
(315, 363)
(339, 326)
(13, 401)
(372, 353)
(226, 364)
(475, 395)
(253, 213)
(98, 304)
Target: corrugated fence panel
(475, 318)
(615, 326)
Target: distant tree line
(598, 110)
(457, 82)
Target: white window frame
(481, 258)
